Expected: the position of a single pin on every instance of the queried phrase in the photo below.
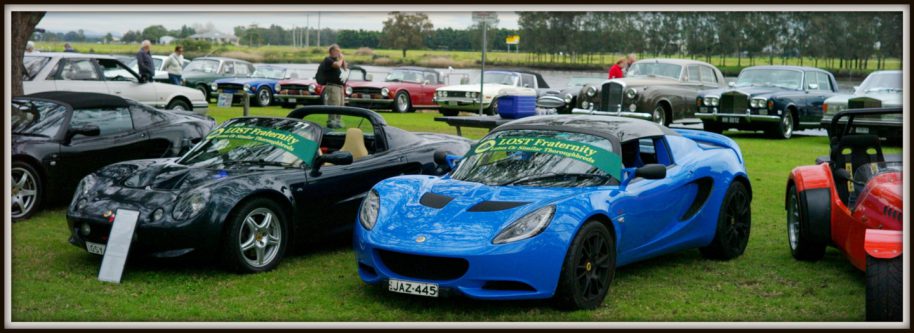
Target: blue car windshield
(522, 167)
(780, 78)
(262, 141)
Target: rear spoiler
(713, 139)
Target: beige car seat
(355, 144)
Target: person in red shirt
(615, 72)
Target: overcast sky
(119, 22)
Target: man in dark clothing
(329, 72)
(144, 62)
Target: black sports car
(255, 185)
(59, 137)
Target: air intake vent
(494, 206)
(433, 200)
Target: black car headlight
(591, 91)
(368, 214)
(214, 86)
(190, 204)
(527, 226)
(631, 93)
(85, 185)
(568, 98)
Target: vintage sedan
(104, 74)
(403, 90)
(496, 83)
(254, 186)
(159, 63)
(61, 136)
(577, 87)
(300, 88)
(882, 89)
(260, 86)
(201, 72)
(776, 99)
(659, 90)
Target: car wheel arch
(745, 180)
(282, 200)
(180, 98)
(33, 162)
(605, 221)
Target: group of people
(173, 64)
(620, 68)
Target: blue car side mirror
(446, 161)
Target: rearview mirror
(336, 158)
(651, 171)
(86, 130)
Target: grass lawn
(55, 281)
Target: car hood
(646, 81)
(750, 91)
(372, 84)
(248, 80)
(475, 214)
(165, 174)
(887, 99)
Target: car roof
(621, 127)
(82, 100)
(795, 68)
(675, 61)
(72, 55)
(539, 78)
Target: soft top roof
(301, 112)
(623, 128)
(539, 78)
(82, 100)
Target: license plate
(225, 100)
(703, 109)
(292, 100)
(730, 120)
(452, 103)
(863, 130)
(763, 112)
(95, 248)
(413, 288)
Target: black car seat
(849, 153)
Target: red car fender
(883, 244)
(811, 177)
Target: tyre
(588, 270)
(264, 96)
(288, 105)
(802, 246)
(733, 225)
(177, 104)
(883, 289)
(492, 109)
(402, 104)
(256, 237)
(659, 115)
(713, 127)
(784, 128)
(449, 112)
(203, 89)
(27, 190)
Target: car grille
(456, 94)
(734, 102)
(424, 267)
(366, 91)
(863, 103)
(611, 96)
(230, 86)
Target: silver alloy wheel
(659, 115)
(793, 221)
(402, 103)
(264, 97)
(178, 107)
(260, 237)
(787, 123)
(24, 192)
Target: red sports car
(861, 215)
(302, 89)
(404, 90)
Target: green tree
(405, 31)
(154, 32)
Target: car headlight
(631, 93)
(247, 86)
(568, 98)
(368, 214)
(591, 91)
(527, 226)
(757, 103)
(385, 92)
(277, 87)
(711, 101)
(312, 88)
(348, 91)
(214, 86)
(585, 104)
(86, 184)
(190, 204)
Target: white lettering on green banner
(288, 141)
(601, 158)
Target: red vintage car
(301, 88)
(404, 90)
(861, 215)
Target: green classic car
(201, 72)
(881, 89)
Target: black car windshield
(781, 78)
(264, 141)
(401, 75)
(203, 66)
(581, 81)
(541, 158)
(672, 71)
(37, 117)
(269, 72)
(881, 82)
(510, 79)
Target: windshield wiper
(551, 175)
(260, 162)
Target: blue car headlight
(527, 226)
(368, 214)
(190, 204)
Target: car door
(117, 141)
(684, 98)
(122, 81)
(78, 74)
(815, 99)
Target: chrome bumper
(639, 115)
(712, 114)
(370, 100)
(465, 104)
(200, 107)
(304, 97)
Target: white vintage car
(465, 97)
(159, 63)
(881, 89)
(104, 74)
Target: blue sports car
(549, 206)
(261, 85)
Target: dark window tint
(109, 121)
(144, 116)
(644, 151)
(37, 117)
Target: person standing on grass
(615, 72)
(144, 62)
(328, 75)
(173, 65)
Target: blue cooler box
(514, 107)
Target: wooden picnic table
(489, 122)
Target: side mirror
(813, 86)
(87, 130)
(731, 84)
(336, 158)
(425, 83)
(651, 171)
(369, 77)
(855, 88)
(444, 161)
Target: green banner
(291, 142)
(601, 158)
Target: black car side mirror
(651, 171)
(336, 158)
(445, 162)
(87, 130)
